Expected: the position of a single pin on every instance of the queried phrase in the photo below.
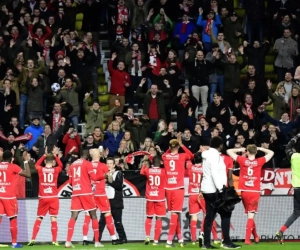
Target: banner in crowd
(273, 182)
(273, 211)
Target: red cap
(59, 53)
(201, 117)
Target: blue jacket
(36, 132)
(112, 143)
(202, 23)
(285, 128)
(190, 27)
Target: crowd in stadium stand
(201, 67)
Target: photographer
(114, 191)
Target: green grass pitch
(141, 246)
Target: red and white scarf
(152, 60)
(130, 157)
(123, 14)
(208, 27)
(56, 121)
(249, 110)
(136, 66)
(25, 137)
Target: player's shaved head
(156, 161)
(95, 153)
(7, 156)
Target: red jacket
(118, 80)
(45, 36)
(71, 142)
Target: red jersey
(155, 185)
(8, 180)
(250, 173)
(99, 186)
(175, 167)
(80, 175)
(228, 162)
(195, 174)
(48, 178)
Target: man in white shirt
(213, 180)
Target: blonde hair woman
(112, 138)
(280, 106)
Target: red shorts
(83, 203)
(2, 213)
(250, 201)
(102, 203)
(9, 207)
(48, 205)
(175, 198)
(156, 208)
(195, 205)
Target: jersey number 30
(154, 180)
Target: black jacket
(117, 184)
(200, 71)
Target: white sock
(169, 242)
(114, 237)
(85, 238)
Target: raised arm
(233, 152)
(269, 153)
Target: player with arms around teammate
(80, 175)
(155, 197)
(249, 183)
(8, 201)
(174, 163)
(292, 151)
(48, 195)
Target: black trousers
(117, 216)
(296, 213)
(211, 213)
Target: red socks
(95, 227)
(13, 230)
(283, 228)
(249, 228)
(193, 227)
(148, 225)
(36, 229)
(214, 230)
(157, 231)
(71, 225)
(86, 223)
(54, 230)
(110, 225)
(178, 231)
(172, 226)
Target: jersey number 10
(48, 177)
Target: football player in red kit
(249, 183)
(101, 199)
(8, 201)
(80, 175)
(174, 163)
(196, 203)
(155, 197)
(48, 194)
